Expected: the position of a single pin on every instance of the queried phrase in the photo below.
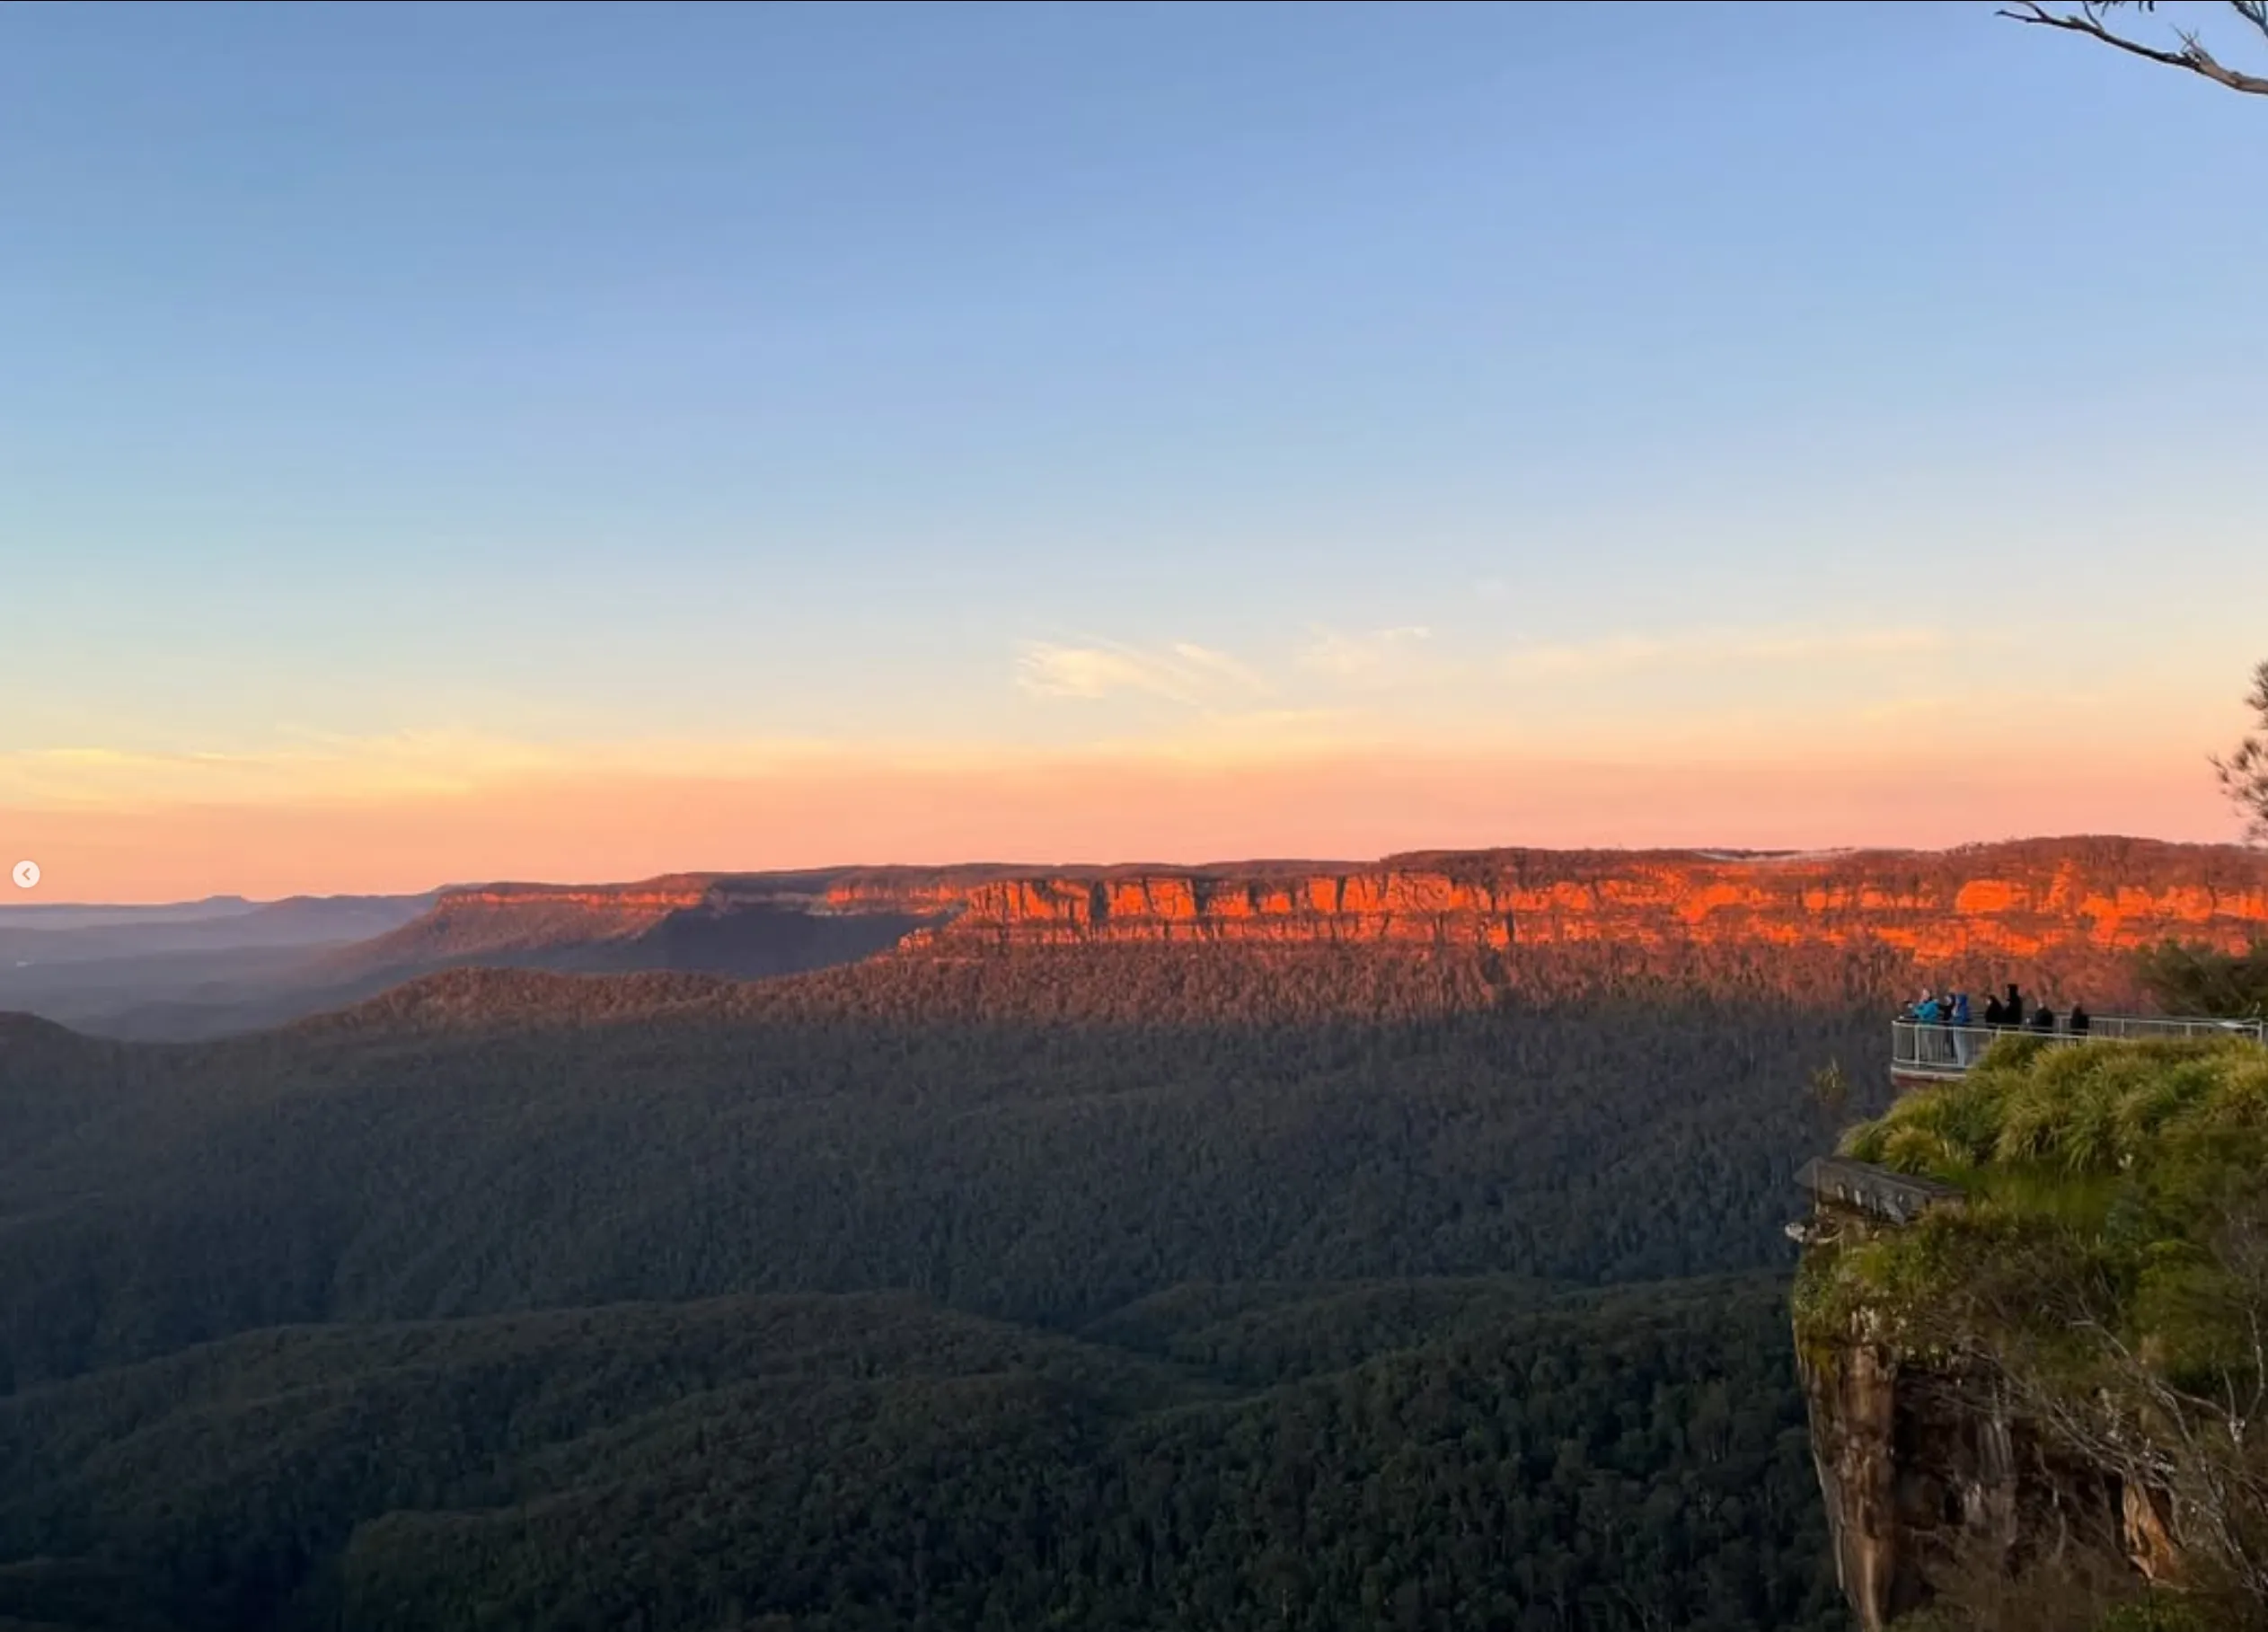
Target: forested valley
(1340, 1292)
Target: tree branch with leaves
(2039, 1329)
(2244, 773)
(2187, 52)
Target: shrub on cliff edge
(2108, 1275)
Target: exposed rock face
(2057, 913)
(1923, 1469)
(1854, 1427)
(2018, 901)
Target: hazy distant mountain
(73, 915)
(189, 969)
(747, 925)
(74, 934)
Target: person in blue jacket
(1928, 1014)
(1961, 1023)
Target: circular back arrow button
(27, 874)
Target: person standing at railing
(2079, 1020)
(2043, 1020)
(1960, 1022)
(2012, 1011)
(1927, 1014)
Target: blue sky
(490, 389)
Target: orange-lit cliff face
(2014, 903)
(2058, 911)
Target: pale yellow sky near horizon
(559, 825)
(1356, 745)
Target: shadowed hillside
(1099, 1275)
(483, 1141)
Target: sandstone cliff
(2008, 902)
(1924, 1471)
(2056, 914)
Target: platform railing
(1931, 1048)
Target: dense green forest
(1506, 1458)
(881, 1300)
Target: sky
(578, 442)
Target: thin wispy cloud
(326, 767)
(1184, 672)
(1620, 655)
(299, 765)
(1338, 687)
(1380, 657)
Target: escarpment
(2024, 900)
(2064, 913)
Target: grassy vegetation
(2108, 1277)
(2124, 1165)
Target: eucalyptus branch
(2191, 56)
(2243, 772)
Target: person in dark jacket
(2014, 1008)
(2043, 1020)
(1995, 1016)
(2079, 1020)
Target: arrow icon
(27, 874)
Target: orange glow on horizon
(620, 826)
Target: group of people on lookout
(1954, 1040)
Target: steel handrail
(1937, 1047)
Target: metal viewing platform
(1845, 1194)
(1837, 1183)
(1931, 1051)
